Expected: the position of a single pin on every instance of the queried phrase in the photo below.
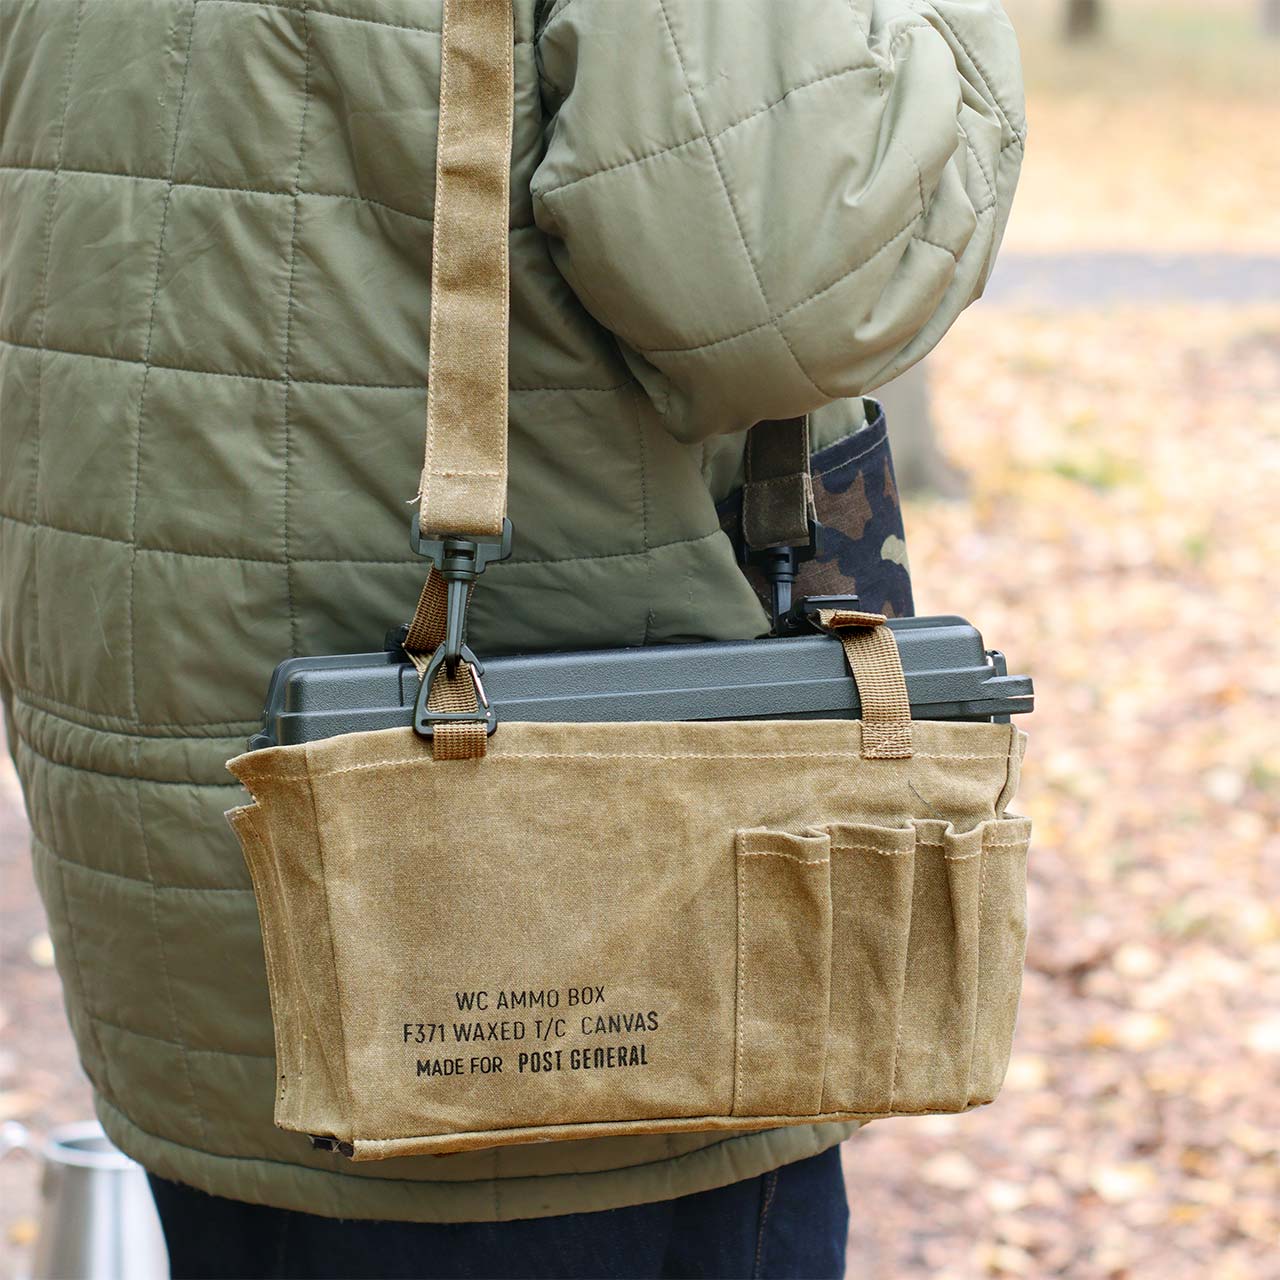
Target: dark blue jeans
(792, 1222)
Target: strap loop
(777, 497)
(876, 666)
(451, 708)
(779, 519)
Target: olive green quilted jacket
(215, 274)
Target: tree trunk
(1083, 19)
(919, 465)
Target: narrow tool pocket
(872, 873)
(927, 942)
(964, 964)
(878, 968)
(784, 971)
(934, 1043)
(1002, 945)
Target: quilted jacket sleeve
(774, 204)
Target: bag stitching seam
(740, 984)
(870, 848)
(977, 1004)
(902, 993)
(778, 853)
(639, 755)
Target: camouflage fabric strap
(463, 489)
(873, 658)
(777, 498)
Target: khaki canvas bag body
(573, 930)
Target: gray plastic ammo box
(950, 676)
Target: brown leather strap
(872, 654)
(464, 473)
(777, 498)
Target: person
(213, 348)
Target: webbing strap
(448, 693)
(464, 474)
(777, 498)
(426, 629)
(463, 489)
(456, 693)
(872, 654)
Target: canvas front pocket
(872, 876)
(784, 971)
(879, 968)
(1002, 943)
(505, 983)
(929, 926)
(584, 954)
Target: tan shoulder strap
(464, 473)
(463, 490)
(464, 476)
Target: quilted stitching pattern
(214, 282)
(777, 142)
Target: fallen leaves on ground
(1120, 543)
(1157, 136)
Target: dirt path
(1097, 279)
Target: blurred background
(1092, 459)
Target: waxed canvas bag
(566, 930)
